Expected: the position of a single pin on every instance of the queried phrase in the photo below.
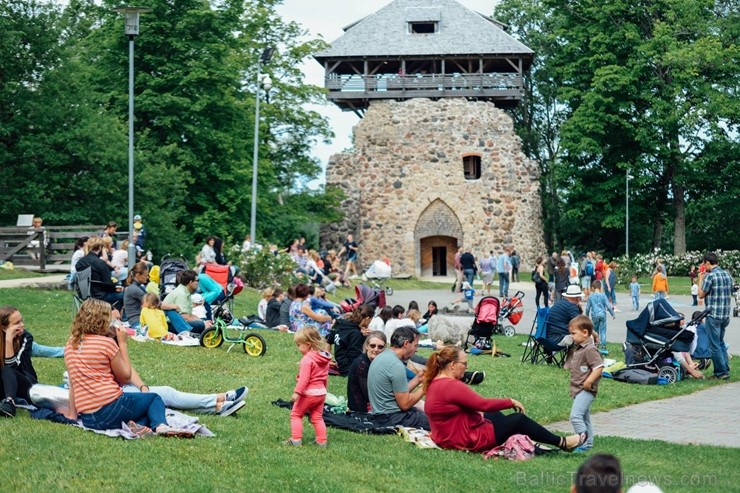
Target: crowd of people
(375, 349)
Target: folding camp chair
(81, 287)
(539, 348)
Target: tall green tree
(646, 88)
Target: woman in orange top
(96, 364)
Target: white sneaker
(229, 407)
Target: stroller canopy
(367, 295)
(379, 270)
(658, 313)
(487, 310)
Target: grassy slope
(247, 454)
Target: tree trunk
(657, 231)
(679, 228)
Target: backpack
(517, 447)
(535, 277)
(589, 269)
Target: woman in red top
(454, 410)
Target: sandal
(140, 431)
(582, 437)
(167, 431)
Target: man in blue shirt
(716, 291)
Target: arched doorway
(437, 234)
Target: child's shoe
(293, 443)
(321, 444)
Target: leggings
(541, 290)
(15, 383)
(507, 425)
(314, 405)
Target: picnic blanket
(357, 422)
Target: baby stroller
(365, 295)
(654, 335)
(379, 272)
(490, 316)
(169, 267)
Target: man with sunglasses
(391, 400)
(715, 288)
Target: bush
(261, 268)
(643, 265)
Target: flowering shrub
(261, 268)
(643, 265)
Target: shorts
(586, 282)
(487, 277)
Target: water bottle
(149, 255)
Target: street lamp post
(627, 179)
(131, 30)
(265, 82)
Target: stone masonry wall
(409, 154)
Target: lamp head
(132, 18)
(267, 83)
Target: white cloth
(394, 323)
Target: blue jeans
(469, 275)
(41, 351)
(144, 408)
(115, 298)
(178, 324)
(503, 284)
(635, 302)
(580, 415)
(600, 328)
(660, 295)
(715, 329)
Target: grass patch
(247, 454)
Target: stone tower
(436, 163)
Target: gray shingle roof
(460, 32)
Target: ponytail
(438, 361)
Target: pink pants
(314, 404)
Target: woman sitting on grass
(95, 363)
(461, 419)
(18, 374)
(357, 398)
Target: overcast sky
(327, 18)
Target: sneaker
(230, 407)
(321, 444)
(293, 443)
(7, 408)
(237, 395)
(725, 376)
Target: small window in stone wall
(471, 167)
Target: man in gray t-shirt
(391, 401)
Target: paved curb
(47, 282)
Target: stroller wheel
(388, 291)
(509, 331)
(670, 373)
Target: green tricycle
(222, 331)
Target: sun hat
(573, 291)
(137, 217)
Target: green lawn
(247, 453)
(17, 274)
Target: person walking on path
(716, 290)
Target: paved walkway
(34, 282)
(707, 417)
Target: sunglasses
(377, 346)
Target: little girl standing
(310, 390)
(153, 317)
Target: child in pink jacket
(310, 390)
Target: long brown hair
(438, 361)
(361, 313)
(5, 313)
(94, 317)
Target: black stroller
(654, 335)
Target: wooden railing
(423, 82)
(47, 249)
